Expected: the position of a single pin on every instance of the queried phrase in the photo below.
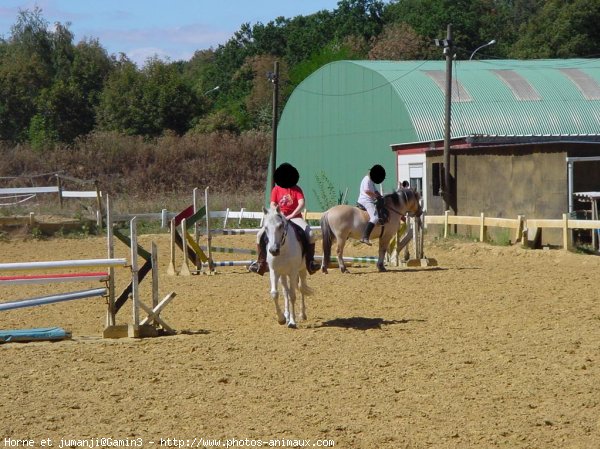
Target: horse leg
(340, 254)
(303, 287)
(326, 255)
(289, 292)
(383, 246)
(275, 295)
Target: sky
(170, 29)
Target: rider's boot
(367, 233)
(311, 266)
(260, 266)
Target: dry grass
(144, 175)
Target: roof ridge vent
(459, 93)
(587, 85)
(519, 86)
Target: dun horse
(342, 222)
(286, 263)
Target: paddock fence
(522, 228)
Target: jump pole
(185, 268)
(171, 269)
(51, 264)
(195, 203)
(232, 263)
(53, 278)
(135, 295)
(53, 298)
(110, 242)
(154, 257)
(211, 269)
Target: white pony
(286, 264)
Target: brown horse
(342, 222)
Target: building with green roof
(514, 126)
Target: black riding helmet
(286, 176)
(377, 174)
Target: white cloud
(174, 43)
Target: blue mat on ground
(39, 334)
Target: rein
(405, 201)
(285, 230)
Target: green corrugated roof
(343, 118)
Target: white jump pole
(171, 269)
(21, 266)
(53, 278)
(154, 256)
(134, 274)
(110, 241)
(208, 233)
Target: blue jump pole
(52, 299)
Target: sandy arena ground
(495, 347)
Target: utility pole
(274, 78)
(446, 191)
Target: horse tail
(327, 241)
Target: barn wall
(506, 182)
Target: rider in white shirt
(368, 197)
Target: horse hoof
(281, 321)
(324, 270)
(382, 269)
(292, 326)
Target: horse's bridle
(405, 201)
(285, 229)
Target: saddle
(301, 236)
(382, 212)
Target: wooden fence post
(482, 228)
(446, 223)
(519, 234)
(565, 231)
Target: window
(416, 184)
(415, 173)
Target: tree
(358, 18)
(120, 107)
(307, 34)
(25, 69)
(90, 69)
(469, 19)
(399, 41)
(30, 36)
(21, 79)
(146, 102)
(58, 116)
(167, 97)
(561, 30)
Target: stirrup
(257, 267)
(365, 241)
(313, 267)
